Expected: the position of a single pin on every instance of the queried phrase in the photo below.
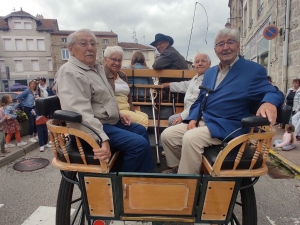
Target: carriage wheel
(69, 208)
(245, 211)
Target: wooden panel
(187, 74)
(162, 123)
(217, 200)
(99, 196)
(158, 196)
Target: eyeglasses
(116, 60)
(202, 60)
(85, 44)
(229, 42)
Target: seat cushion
(212, 152)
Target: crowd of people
(9, 124)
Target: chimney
(39, 16)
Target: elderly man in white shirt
(191, 88)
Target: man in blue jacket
(237, 85)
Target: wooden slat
(186, 74)
(217, 200)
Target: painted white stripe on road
(43, 216)
(1, 205)
(271, 221)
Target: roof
(97, 33)
(3, 24)
(20, 13)
(129, 45)
(47, 25)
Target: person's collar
(75, 61)
(229, 66)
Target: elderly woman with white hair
(82, 87)
(113, 57)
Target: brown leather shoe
(171, 170)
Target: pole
(152, 91)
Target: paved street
(25, 193)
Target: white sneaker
(36, 138)
(50, 142)
(9, 145)
(22, 143)
(42, 149)
(33, 140)
(47, 146)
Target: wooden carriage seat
(246, 155)
(72, 148)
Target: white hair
(71, 37)
(230, 32)
(207, 57)
(113, 49)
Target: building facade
(60, 53)
(130, 48)
(25, 48)
(281, 55)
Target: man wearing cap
(169, 57)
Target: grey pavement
(290, 159)
(18, 152)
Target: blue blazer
(243, 89)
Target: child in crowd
(11, 125)
(288, 141)
(3, 118)
(42, 131)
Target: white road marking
(271, 221)
(42, 216)
(1, 205)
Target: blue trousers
(133, 142)
(32, 126)
(42, 134)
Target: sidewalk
(17, 152)
(290, 159)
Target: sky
(144, 17)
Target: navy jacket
(240, 92)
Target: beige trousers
(137, 117)
(184, 148)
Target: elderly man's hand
(178, 120)
(103, 153)
(165, 85)
(192, 124)
(125, 119)
(268, 110)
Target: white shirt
(121, 87)
(191, 90)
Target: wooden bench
(164, 100)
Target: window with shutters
(30, 44)
(7, 44)
(41, 44)
(2, 66)
(18, 65)
(50, 66)
(17, 25)
(27, 25)
(19, 45)
(35, 65)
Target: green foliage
(21, 115)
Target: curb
(18, 153)
(294, 168)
